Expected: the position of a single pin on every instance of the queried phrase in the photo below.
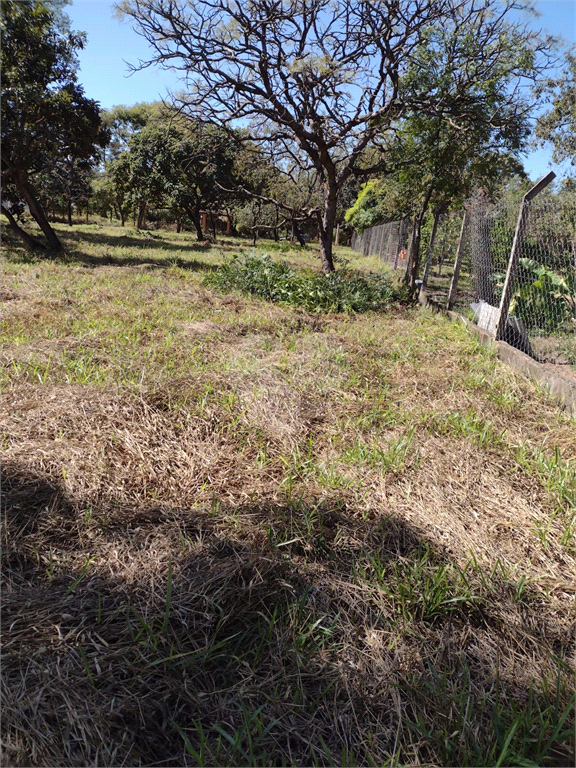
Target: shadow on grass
(158, 636)
(73, 253)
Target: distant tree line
(295, 113)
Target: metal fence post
(516, 251)
(458, 260)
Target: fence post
(399, 242)
(388, 241)
(516, 251)
(458, 260)
(380, 241)
(443, 248)
(381, 248)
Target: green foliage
(342, 291)
(545, 299)
(167, 164)
(368, 208)
(125, 122)
(48, 124)
(558, 124)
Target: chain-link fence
(391, 242)
(388, 241)
(541, 317)
(542, 308)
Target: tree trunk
(415, 267)
(296, 233)
(142, 211)
(69, 212)
(429, 256)
(195, 219)
(275, 230)
(326, 229)
(178, 225)
(414, 264)
(413, 238)
(30, 241)
(36, 210)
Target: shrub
(544, 299)
(343, 291)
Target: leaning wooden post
(519, 235)
(458, 259)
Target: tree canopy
(318, 84)
(46, 117)
(558, 124)
(437, 167)
(161, 161)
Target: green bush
(343, 291)
(544, 299)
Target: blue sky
(113, 45)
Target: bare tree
(321, 82)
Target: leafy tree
(318, 84)
(122, 123)
(122, 178)
(102, 195)
(272, 197)
(203, 171)
(558, 124)
(438, 167)
(173, 164)
(118, 177)
(45, 114)
(66, 183)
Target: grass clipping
(343, 291)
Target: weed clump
(342, 291)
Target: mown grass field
(236, 533)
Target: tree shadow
(72, 251)
(163, 636)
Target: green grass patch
(469, 424)
(239, 533)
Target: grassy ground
(239, 534)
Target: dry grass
(238, 534)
